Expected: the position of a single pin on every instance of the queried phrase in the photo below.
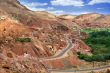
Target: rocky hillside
(26, 36)
(17, 56)
(47, 31)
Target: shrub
(94, 57)
(23, 40)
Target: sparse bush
(23, 40)
(93, 57)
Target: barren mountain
(69, 17)
(46, 15)
(103, 21)
(92, 20)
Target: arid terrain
(41, 42)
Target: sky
(74, 7)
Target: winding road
(61, 53)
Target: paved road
(83, 70)
(63, 51)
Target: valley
(43, 42)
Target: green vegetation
(98, 57)
(89, 30)
(22, 40)
(99, 41)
